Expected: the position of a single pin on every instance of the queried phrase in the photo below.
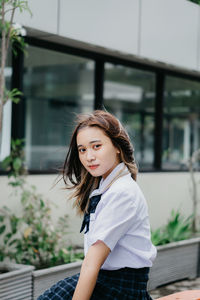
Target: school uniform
(118, 216)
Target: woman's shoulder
(125, 185)
(124, 192)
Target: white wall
(44, 16)
(163, 192)
(169, 32)
(108, 23)
(6, 130)
(165, 31)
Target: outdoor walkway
(175, 287)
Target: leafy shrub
(178, 228)
(32, 238)
(14, 163)
(195, 1)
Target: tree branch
(6, 11)
(10, 28)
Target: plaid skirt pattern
(122, 284)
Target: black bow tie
(91, 209)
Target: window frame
(160, 70)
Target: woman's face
(96, 151)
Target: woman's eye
(97, 146)
(81, 150)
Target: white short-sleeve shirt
(121, 221)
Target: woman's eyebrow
(91, 142)
(95, 141)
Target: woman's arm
(92, 263)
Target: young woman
(100, 167)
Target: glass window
(130, 95)
(181, 122)
(56, 87)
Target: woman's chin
(94, 173)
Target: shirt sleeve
(115, 218)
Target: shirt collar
(118, 171)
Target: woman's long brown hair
(75, 175)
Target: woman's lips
(93, 167)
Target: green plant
(195, 1)
(9, 33)
(32, 238)
(14, 163)
(178, 228)
(159, 237)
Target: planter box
(16, 284)
(175, 261)
(44, 279)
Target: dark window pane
(56, 86)
(130, 95)
(181, 122)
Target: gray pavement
(179, 286)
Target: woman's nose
(90, 155)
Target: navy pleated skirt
(122, 284)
